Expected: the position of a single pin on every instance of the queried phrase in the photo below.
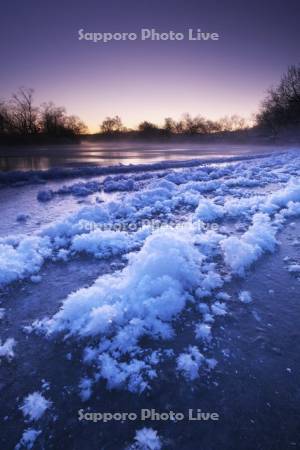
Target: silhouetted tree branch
(281, 107)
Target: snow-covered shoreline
(21, 177)
(182, 234)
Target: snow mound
(133, 374)
(111, 185)
(189, 363)
(153, 288)
(208, 211)
(34, 406)
(245, 297)
(85, 387)
(203, 332)
(6, 349)
(141, 300)
(291, 193)
(28, 438)
(240, 253)
(223, 296)
(80, 189)
(23, 259)
(105, 243)
(147, 439)
(219, 308)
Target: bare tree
(281, 107)
(52, 119)
(55, 122)
(20, 118)
(170, 125)
(75, 125)
(148, 129)
(111, 125)
(24, 114)
(232, 123)
(5, 120)
(196, 125)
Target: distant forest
(22, 121)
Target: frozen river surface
(171, 286)
(114, 153)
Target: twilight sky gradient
(147, 80)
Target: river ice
(162, 247)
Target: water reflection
(45, 157)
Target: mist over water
(114, 153)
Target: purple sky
(148, 80)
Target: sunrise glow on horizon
(148, 80)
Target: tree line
(188, 125)
(281, 107)
(20, 118)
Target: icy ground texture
(183, 234)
